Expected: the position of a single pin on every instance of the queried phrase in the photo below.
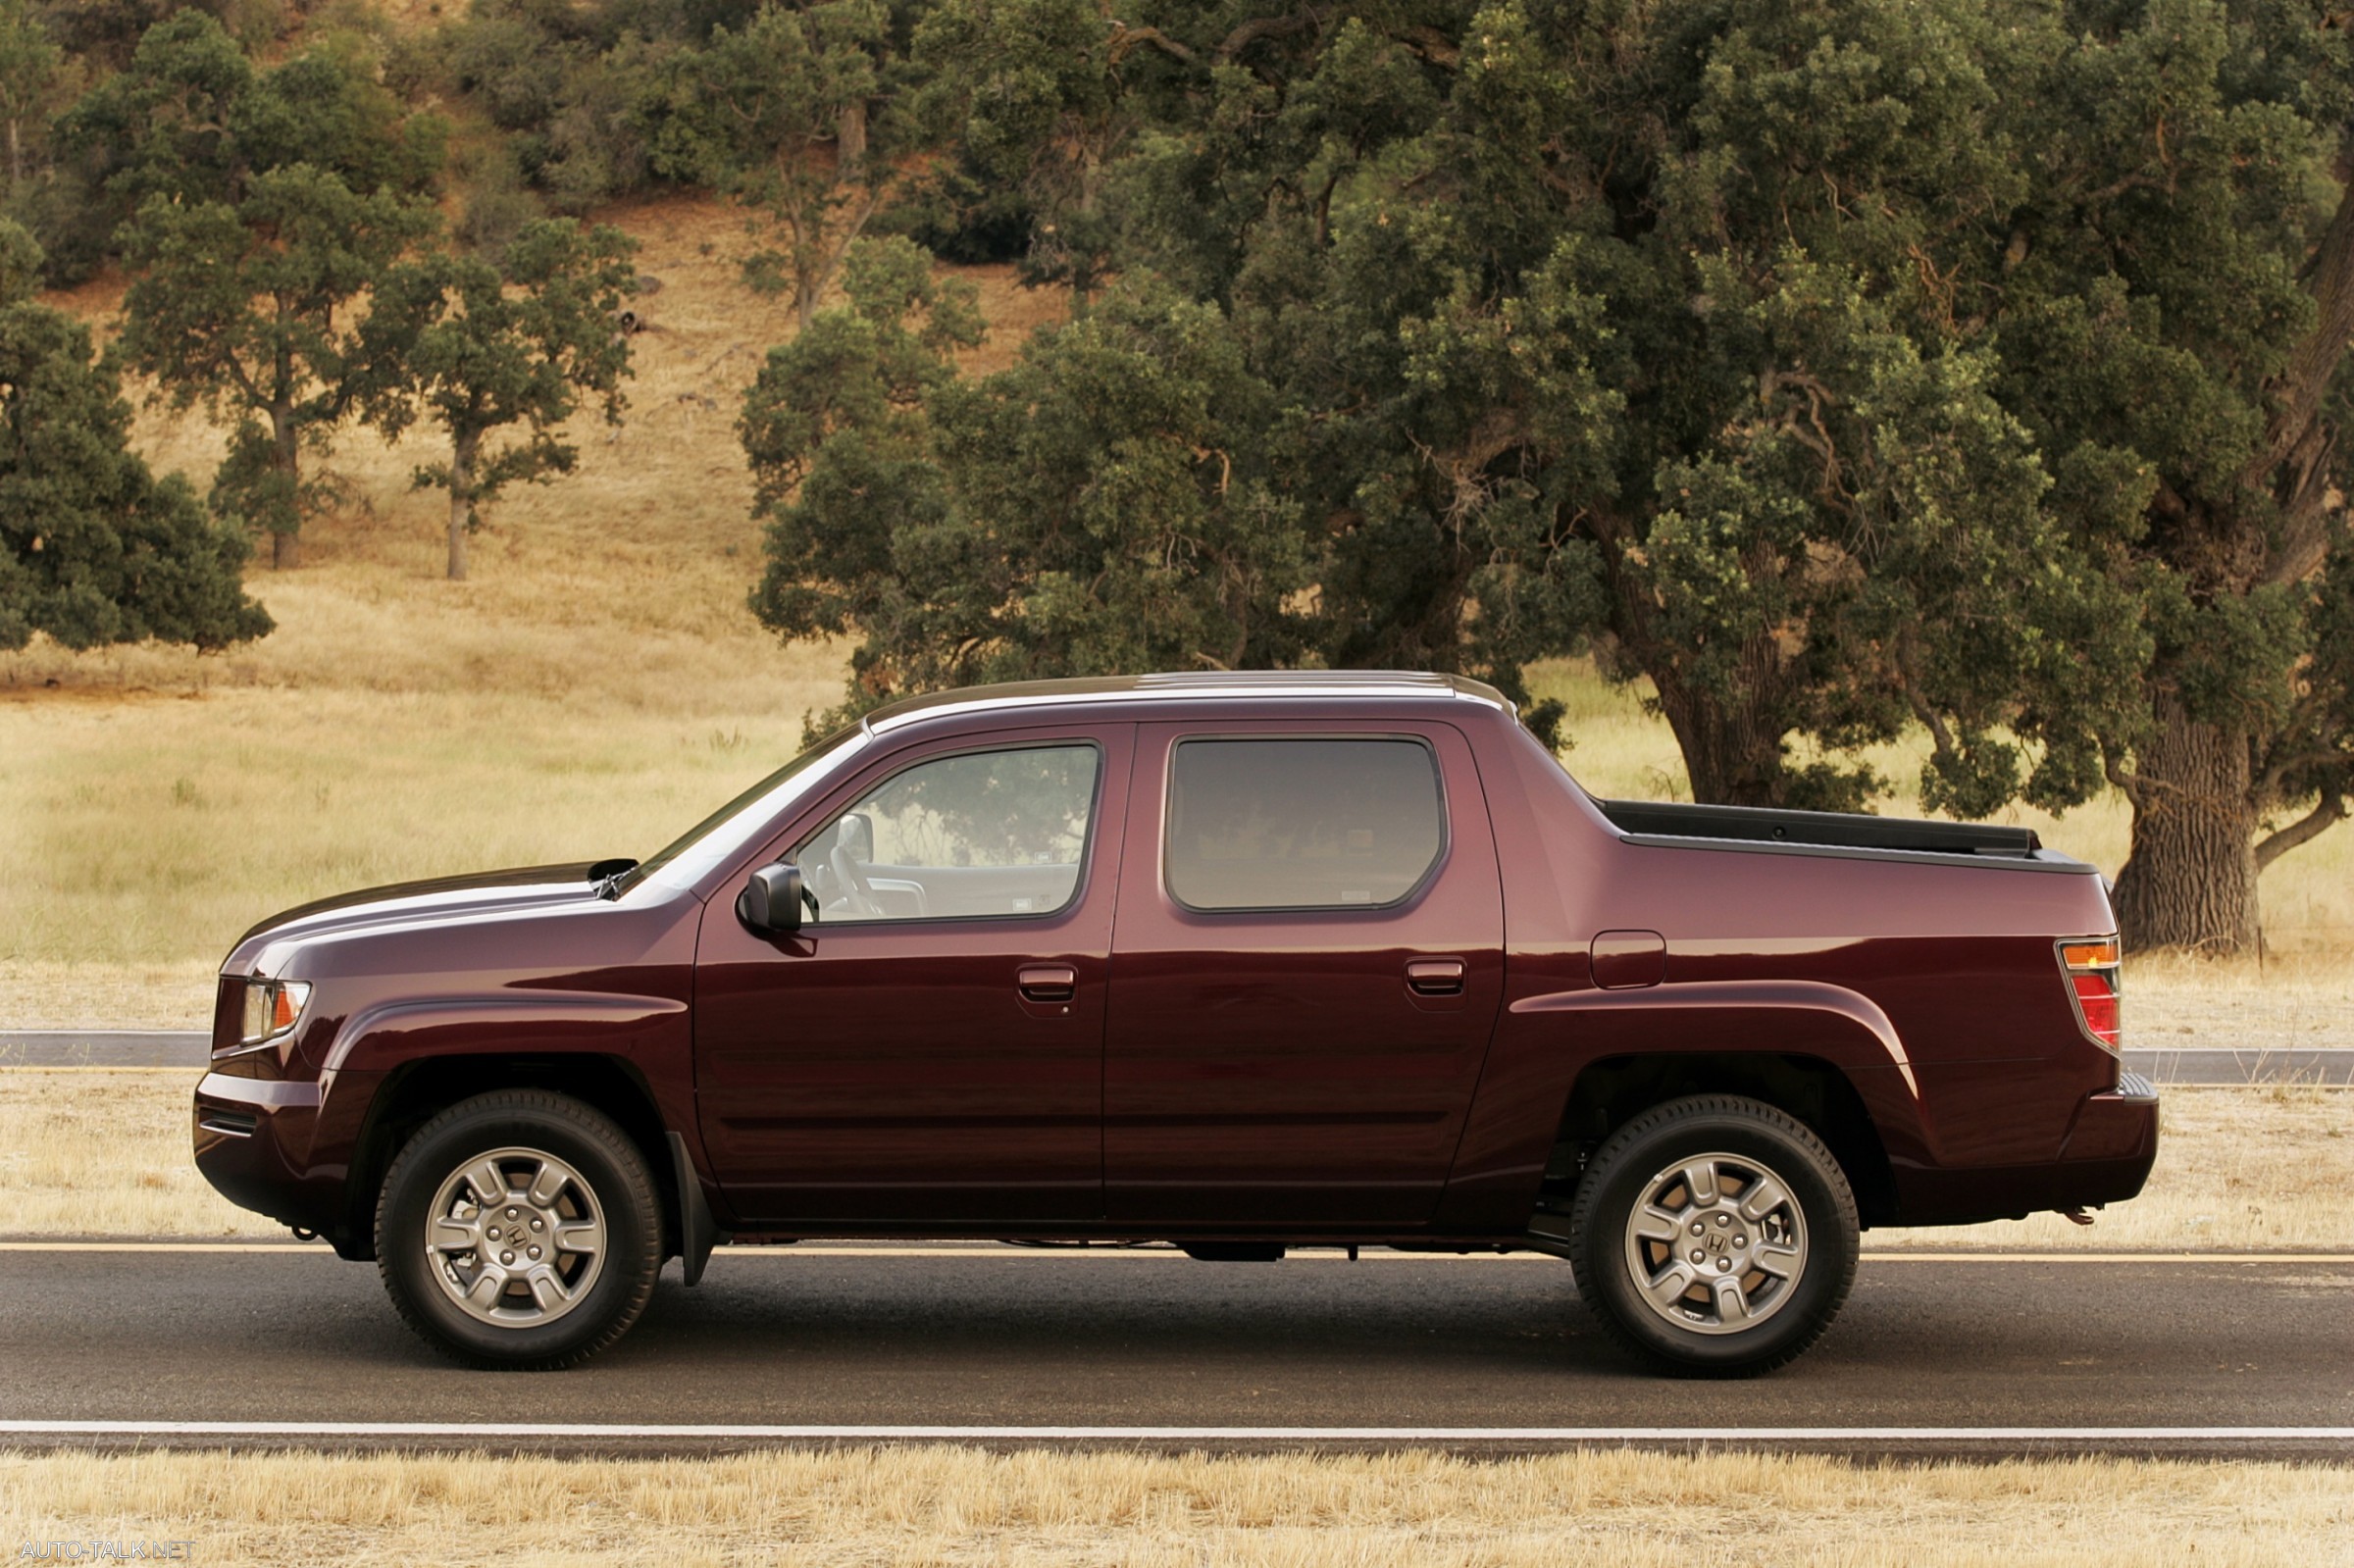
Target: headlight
(273, 1007)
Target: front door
(1307, 971)
(930, 1045)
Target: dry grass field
(942, 1505)
(2241, 1169)
(597, 686)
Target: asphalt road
(1001, 1340)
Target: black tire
(1695, 1333)
(621, 1198)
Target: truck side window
(1302, 824)
(983, 834)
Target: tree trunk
(461, 514)
(15, 155)
(286, 537)
(1731, 758)
(849, 138)
(2190, 880)
(461, 500)
(1732, 751)
(1733, 754)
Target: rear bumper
(253, 1140)
(2111, 1141)
(2110, 1148)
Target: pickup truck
(1234, 963)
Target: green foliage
(1110, 507)
(481, 348)
(269, 204)
(245, 307)
(2313, 756)
(30, 63)
(793, 115)
(1101, 505)
(20, 263)
(192, 120)
(864, 371)
(563, 83)
(93, 548)
(107, 32)
(1027, 91)
(1840, 370)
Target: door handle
(1435, 977)
(1048, 982)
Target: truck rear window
(1302, 824)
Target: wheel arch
(416, 1091)
(1611, 1090)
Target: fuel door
(1627, 960)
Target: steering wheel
(856, 890)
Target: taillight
(2092, 967)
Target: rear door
(930, 1045)
(1307, 971)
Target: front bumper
(254, 1138)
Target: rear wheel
(520, 1229)
(1716, 1235)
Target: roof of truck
(1213, 686)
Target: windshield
(729, 830)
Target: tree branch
(2325, 814)
(2296, 392)
(2130, 785)
(1433, 45)
(1125, 40)
(1257, 27)
(1128, 38)
(2278, 769)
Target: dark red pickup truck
(1242, 963)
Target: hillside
(595, 686)
(598, 684)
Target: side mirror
(771, 902)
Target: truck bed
(1831, 829)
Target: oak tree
(269, 204)
(30, 65)
(93, 548)
(1101, 505)
(1941, 368)
(476, 347)
(793, 116)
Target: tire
(543, 1280)
(1763, 1283)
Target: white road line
(990, 1253)
(624, 1431)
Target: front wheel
(1714, 1235)
(520, 1229)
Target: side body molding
(564, 1022)
(1810, 1001)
